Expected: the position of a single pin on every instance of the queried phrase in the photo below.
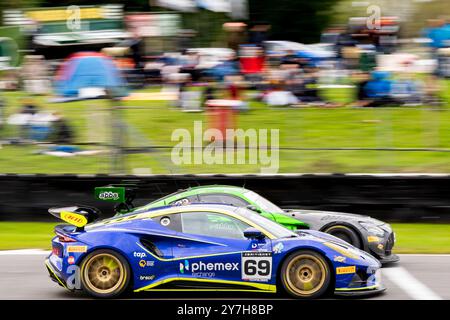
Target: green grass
(411, 238)
(26, 235)
(305, 128)
(422, 238)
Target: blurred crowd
(372, 65)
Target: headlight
(372, 229)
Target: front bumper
(381, 247)
(389, 259)
(359, 292)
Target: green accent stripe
(193, 290)
(260, 286)
(54, 273)
(353, 289)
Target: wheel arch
(348, 225)
(308, 248)
(115, 250)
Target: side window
(170, 221)
(185, 200)
(223, 198)
(213, 225)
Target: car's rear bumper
(357, 292)
(55, 275)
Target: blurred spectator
(310, 93)
(35, 75)
(279, 96)
(438, 33)
(361, 79)
(29, 108)
(62, 132)
(185, 39)
(406, 89)
(235, 33)
(137, 51)
(24, 120)
(258, 34)
(209, 93)
(377, 91)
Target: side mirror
(253, 208)
(253, 233)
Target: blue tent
(89, 70)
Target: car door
(212, 250)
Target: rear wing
(78, 216)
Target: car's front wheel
(344, 233)
(105, 274)
(305, 274)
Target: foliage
(296, 20)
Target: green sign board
(112, 194)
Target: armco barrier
(404, 197)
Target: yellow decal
(260, 286)
(341, 250)
(76, 219)
(78, 249)
(373, 239)
(346, 270)
(380, 246)
(63, 14)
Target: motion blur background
(354, 87)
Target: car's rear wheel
(305, 274)
(105, 274)
(345, 233)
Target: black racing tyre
(105, 274)
(345, 233)
(305, 274)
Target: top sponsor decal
(77, 249)
(346, 270)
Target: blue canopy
(89, 70)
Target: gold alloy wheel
(305, 274)
(104, 273)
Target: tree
(296, 20)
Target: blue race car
(203, 247)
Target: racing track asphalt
(23, 276)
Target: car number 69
(256, 266)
